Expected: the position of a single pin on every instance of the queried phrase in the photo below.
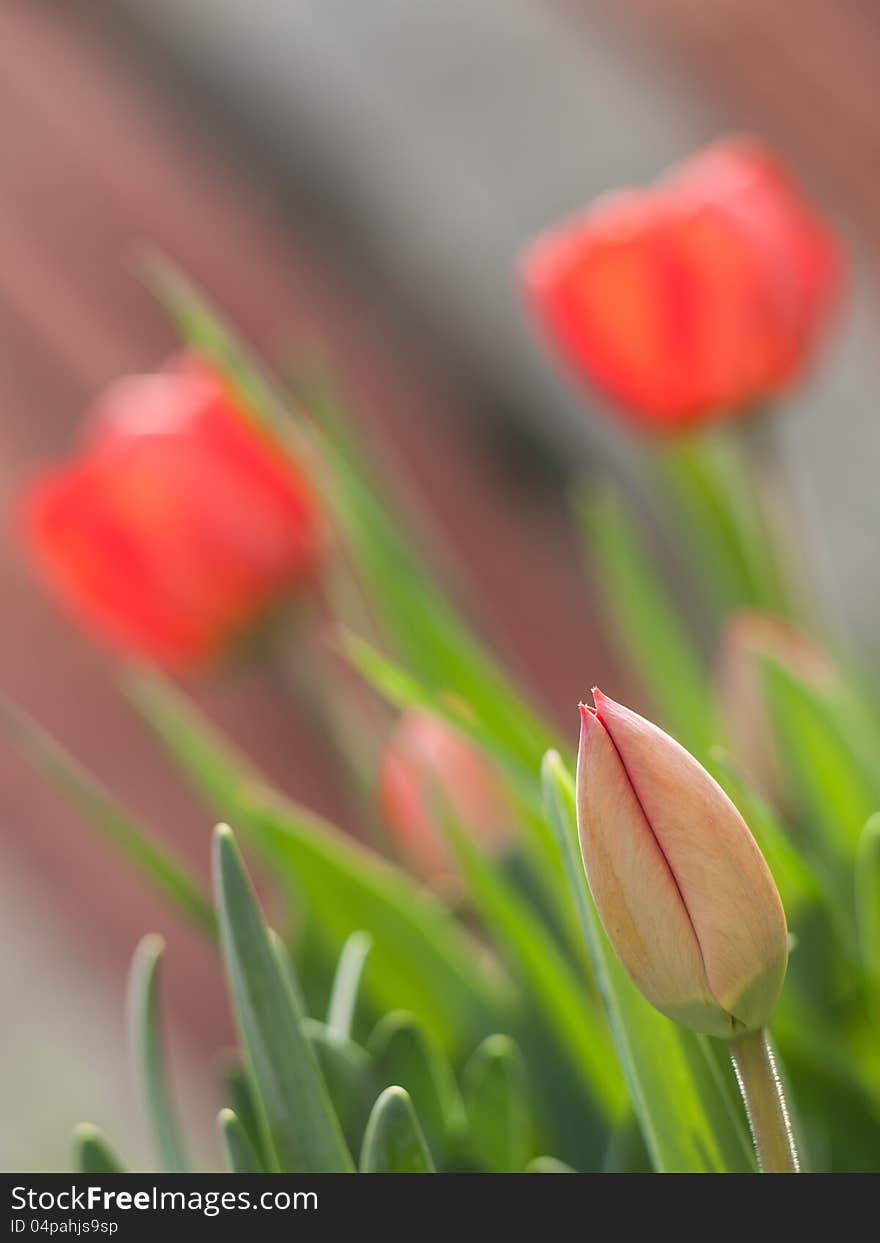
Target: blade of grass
(146, 1041)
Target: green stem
(761, 1089)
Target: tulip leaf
(423, 628)
(522, 786)
(346, 982)
(421, 957)
(420, 623)
(143, 1011)
(832, 765)
(797, 882)
(240, 1152)
(304, 1131)
(495, 1093)
(350, 1077)
(92, 1153)
(724, 521)
(394, 1142)
(548, 1165)
(403, 1053)
(575, 1018)
(239, 1090)
(868, 903)
(96, 805)
(653, 634)
(689, 1121)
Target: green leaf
(83, 792)
(422, 626)
(239, 1090)
(146, 1040)
(548, 1165)
(402, 690)
(574, 1016)
(305, 1132)
(394, 1142)
(350, 1077)
(796, 880)
(421, 958)
(868, 903)
(649, 626)
(403, 1053)
(831, 759)
(92, 1153)
(496, 1101)
(724, 522)
(688, 1119)
(346, 982)
(240, 1152)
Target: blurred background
(358, 177)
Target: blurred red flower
(179, 524)
(693, 298)
(425, 760)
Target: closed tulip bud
(681, 888)
(179, 525)
(427, 762)
(696, 297)
(748, 638)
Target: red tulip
(426, 759)
(694, 298)
(179, 524)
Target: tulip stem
(767, 1111)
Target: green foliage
(92, 1153)
(393, 1142)
(476, 1029)
(143, 1007)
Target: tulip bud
(425, 758)
(698, 296)
(179, 525)
(681, 887)
(747, 638)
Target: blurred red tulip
(694, 298)
(179, 524)
(426, 759)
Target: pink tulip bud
(748, 637)
(679, 883)
(426, 759)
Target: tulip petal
(724, 882)
(634, 888)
